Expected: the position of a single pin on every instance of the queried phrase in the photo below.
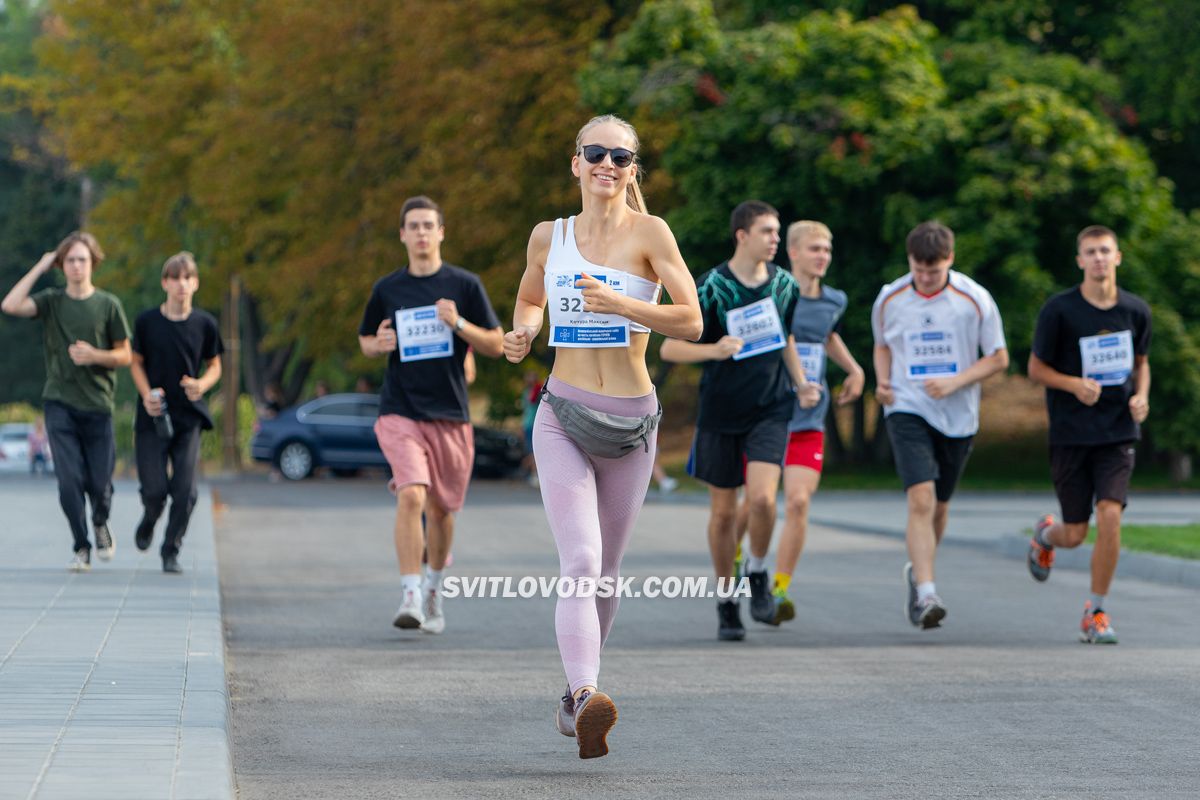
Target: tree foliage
(873, 125)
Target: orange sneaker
(1096, 627)
(1041, 557)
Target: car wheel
(295, 461)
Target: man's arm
(985, 367)
(1139, 404)
(488, 341)
(141, 381)
(84, 355)
(381, 343)
(17, 302)
(855, 377)
(1086, 390)
(679, 351)
(809, 394)
(882, 360)
(196, 388)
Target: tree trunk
(231, 374)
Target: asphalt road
(330, 701)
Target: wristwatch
(459, 324)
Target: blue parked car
(338, 431)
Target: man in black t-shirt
(746, 396)
(1090, 351)
(176, 361)
(423, 319)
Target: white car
(14, 447)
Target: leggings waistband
(638, 406)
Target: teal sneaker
(784, 608)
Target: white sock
(433, 579)
(1097, 602)
(756, 564)
(410, 583)
(925, 590)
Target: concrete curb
(1144, 566)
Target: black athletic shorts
(1086, 474)
(719, 459)
(923, 453)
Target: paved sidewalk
(112, 683)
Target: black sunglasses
(594, 154)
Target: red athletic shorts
(436, 453)
(806, 449)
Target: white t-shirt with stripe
(937, 336)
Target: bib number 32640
(1107, 358)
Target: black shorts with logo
(923, 453)
(719, 459)
(1085, 474)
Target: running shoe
(784, 609)
(82, 561)
(929, 612)
(1096, 627)
(171, 565)
(729, 621)
(409, 614)
(145, 534)
(762, 602)
(924, 614)
(435, 621)
(1041, 556)
(668, 485)
(105, 546)
(595, 715)
(564, 715)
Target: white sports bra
(564, 259)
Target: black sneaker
(729, 622)
(762, 603)
(105, 546)
(171, 565)
(145, 534)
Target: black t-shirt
(734, 395)
(434, 388)
(170, 350)
(1065, 319)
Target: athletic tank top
(564, 259)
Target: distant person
(85, 338)
(272, 400)
(930, 328)
(666, 484)
(321, 388)
(423, 318)
(39, 447)
(363, 386)
(1091, 350)
(752, 377)
(176, 361)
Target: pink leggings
(592, 504)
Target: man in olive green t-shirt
(85, 338)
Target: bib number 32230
(421, 335)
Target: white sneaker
(435, 621)
(82, 562)
(409, 614)
(668, 485)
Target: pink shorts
(436, 453)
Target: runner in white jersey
(931, 327)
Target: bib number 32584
(931, 354)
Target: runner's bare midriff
(613, 371)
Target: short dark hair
(1095, 232)
(180, 265)
(421, 201)
(742, 218)
(929, 242)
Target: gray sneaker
(105, 546)
(924, 614)
(910, 602)
(435, 620)
(595, 715)
(762, 602)
(82, 561)
(564, 717)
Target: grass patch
(1181, 541)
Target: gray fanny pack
(600, 434)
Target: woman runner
(602, 272)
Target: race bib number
(931, 354)
(812, 358)
(571, 326)
(421, 335)
(757, 325)
(1107, 358)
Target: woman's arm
(530, 308)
